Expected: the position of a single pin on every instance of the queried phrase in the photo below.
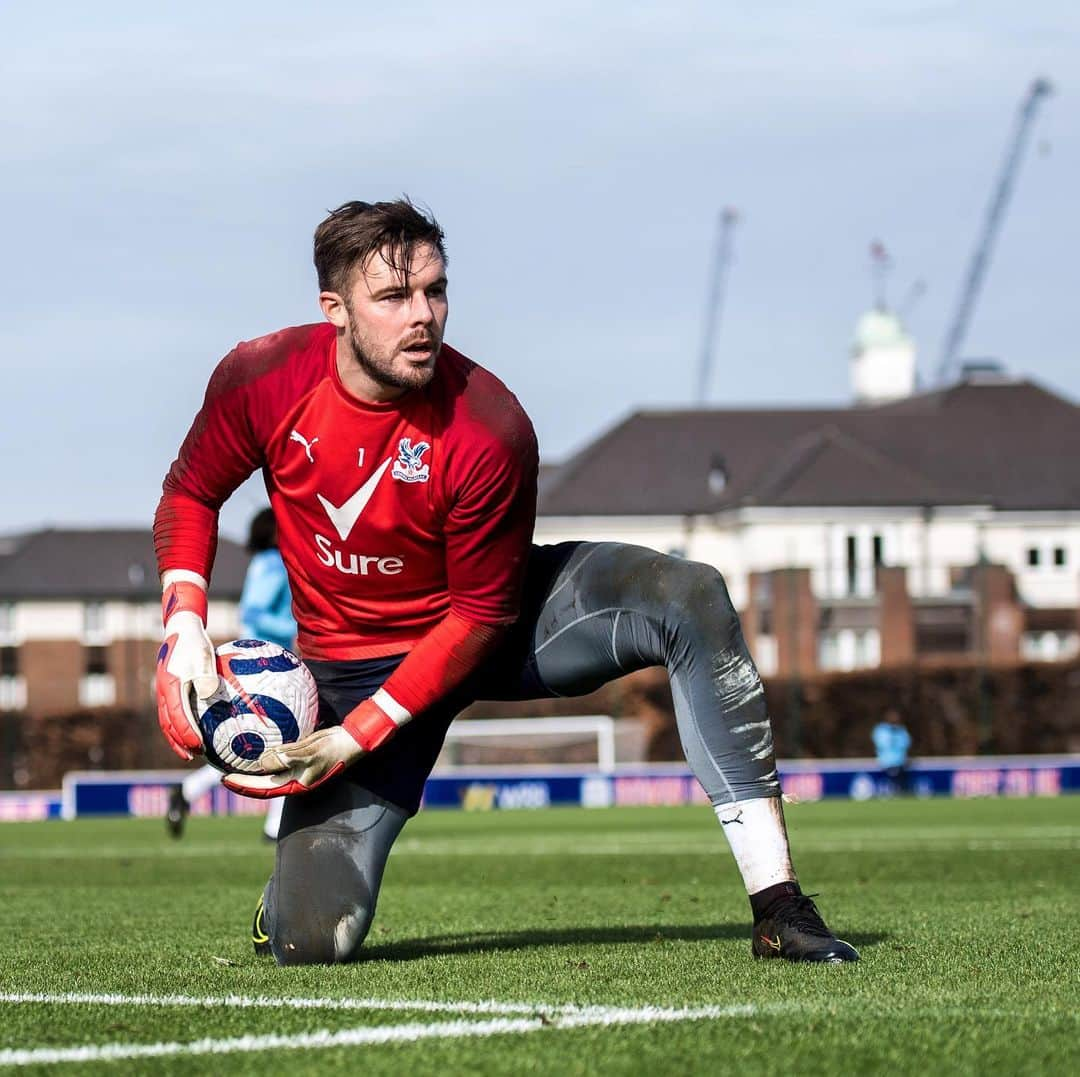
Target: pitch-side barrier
(145, 793)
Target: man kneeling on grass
(403, 479)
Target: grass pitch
(556, 942)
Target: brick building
(80, 617)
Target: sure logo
(356, 564)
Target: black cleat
(259, 938)
(792, 928)
(177, 812)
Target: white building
(933, 484)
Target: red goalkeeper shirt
(390, 516)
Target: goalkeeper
(403, 480)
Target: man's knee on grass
(317, 936)
(324, 901)
(330, 860)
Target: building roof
(100, 564)
(1012, 445)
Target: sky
(164, 167)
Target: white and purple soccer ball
(266, 697)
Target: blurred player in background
(265, 613)
(403, 479)
(892, 742)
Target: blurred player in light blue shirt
(265, 602)
(265, 613)
(892, 742)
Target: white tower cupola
(882, 359)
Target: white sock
(758, 838)
(272, 823)
(200, 781)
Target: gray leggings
(592, 612)
(331, 852)
(613, 609)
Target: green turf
(965, 913)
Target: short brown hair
(357, 230)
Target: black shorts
(398, 770)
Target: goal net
(500, 744)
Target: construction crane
(725, 229)
(995, 214)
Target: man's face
(393, 329)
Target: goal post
(529, 736)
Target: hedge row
(950, 710)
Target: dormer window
(718, 476)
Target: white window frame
(95, 632)
(97, 690)
(13, 693)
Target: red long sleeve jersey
(389, 516)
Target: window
(868, 648)
(879, 551)
(718, 476)
(1049, 646)
(12, 686)
(852, 564)
(1033, 556)
(9, 661)
(12, 693)
(766, 654)
(849, 648)
(827, 655)
(97, 690)
(1059, 556)
(94, 622)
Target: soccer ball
(266, 697)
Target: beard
(380, 368)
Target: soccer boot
(792, 928)
(177, 812)
(259, 938)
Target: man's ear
(333, 308)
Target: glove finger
(181, 720)
(296, 756)
(172, 719)
(206, 685)
(261, 786)
(178, 748)
(174, 744)
(275, 760)
(178, 724)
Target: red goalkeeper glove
(185, 662)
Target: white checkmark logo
(344, 517)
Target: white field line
(245, 1002)
(542, 1018)
(534, 1018)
